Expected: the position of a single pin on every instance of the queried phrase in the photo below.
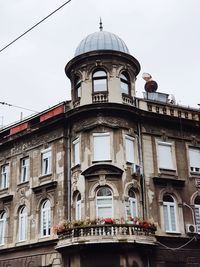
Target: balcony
(100, 97)
(113, 233)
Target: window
(101, 142)
(165, 156)
(194, 157)
(131, 207)
(4, 176)
(46, 162)
(24, 169)
(104, 203)
(78, 207)
(129, 146)
(169, 209)
(197, 212)
(77, 88)
(76, 150)
(23, 223)
(125, 83)
(99, 79)
(45, 218)
(2, 227)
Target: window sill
(22, 184)
(101, 160)
(173, 233)
(194, 174)
(45, 177)
(77, 166)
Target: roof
(101, 40)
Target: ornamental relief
(110, 122)
(35, 140)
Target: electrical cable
(34, 26)
(194, 238)
(10, 105)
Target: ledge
(47, 186)
(168, 180)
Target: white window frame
(46, 218)
(167, 214)
(194, 155)
(4, 176)
(130, 149)
(46, 160)
(78, 207)
(101, 149)
(76, 151)
(165, 163)
(197, 217)
(108, 205)
(2, 227)
(23, 223)
(24, 169)
(131, 207)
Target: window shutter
(129, 143)
(165, 156)
(101, 146)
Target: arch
(94, 188)
(171, 192)
(43, 198)
(107, 169)
(3, 217)
(170, 213)
(22, 203)
(23, 223)
(45, 218)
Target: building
(106, 179)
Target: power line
(10, 105)
(34, 26)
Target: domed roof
(101, 40)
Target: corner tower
(102, 70)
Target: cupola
(102, 70)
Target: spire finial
(100, 25)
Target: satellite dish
(146, 76)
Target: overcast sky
(164, 35)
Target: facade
(106, 179)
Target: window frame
(197, 213)
(46, 162)
(23, 223)
(168, 207)
(77, 87)
(5, 172)
(99, 78)
(78, 207)
(24, 170)
(2, 227)
(109, 205)
(131, 205)
(125, 81)
(171, 159)
(105, 155)
(76, 151)
(193, 169)
(45, 218)
(128, 157)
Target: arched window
(169, 209)
(77, 87)
(23, 223)
(125, 83)
(104, 203)
(45, 218)
(197, 212)
(131, 208)
(99, 80)
(2, 227)
(78, 207)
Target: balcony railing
(100, 97)
(106, 233)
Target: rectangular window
(4, 176)
(76, 150)
(165, 156)
(197, 217)
(129, 146)
(24, 170)
(101, 142)
(194, 157)
(46, 162)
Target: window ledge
(173, 233)
(194, 174)
(159, 180)
(22, 184)
(101, 160)
(77, 166)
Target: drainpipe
(141, 160)
(68, 174)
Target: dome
(101, 40)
